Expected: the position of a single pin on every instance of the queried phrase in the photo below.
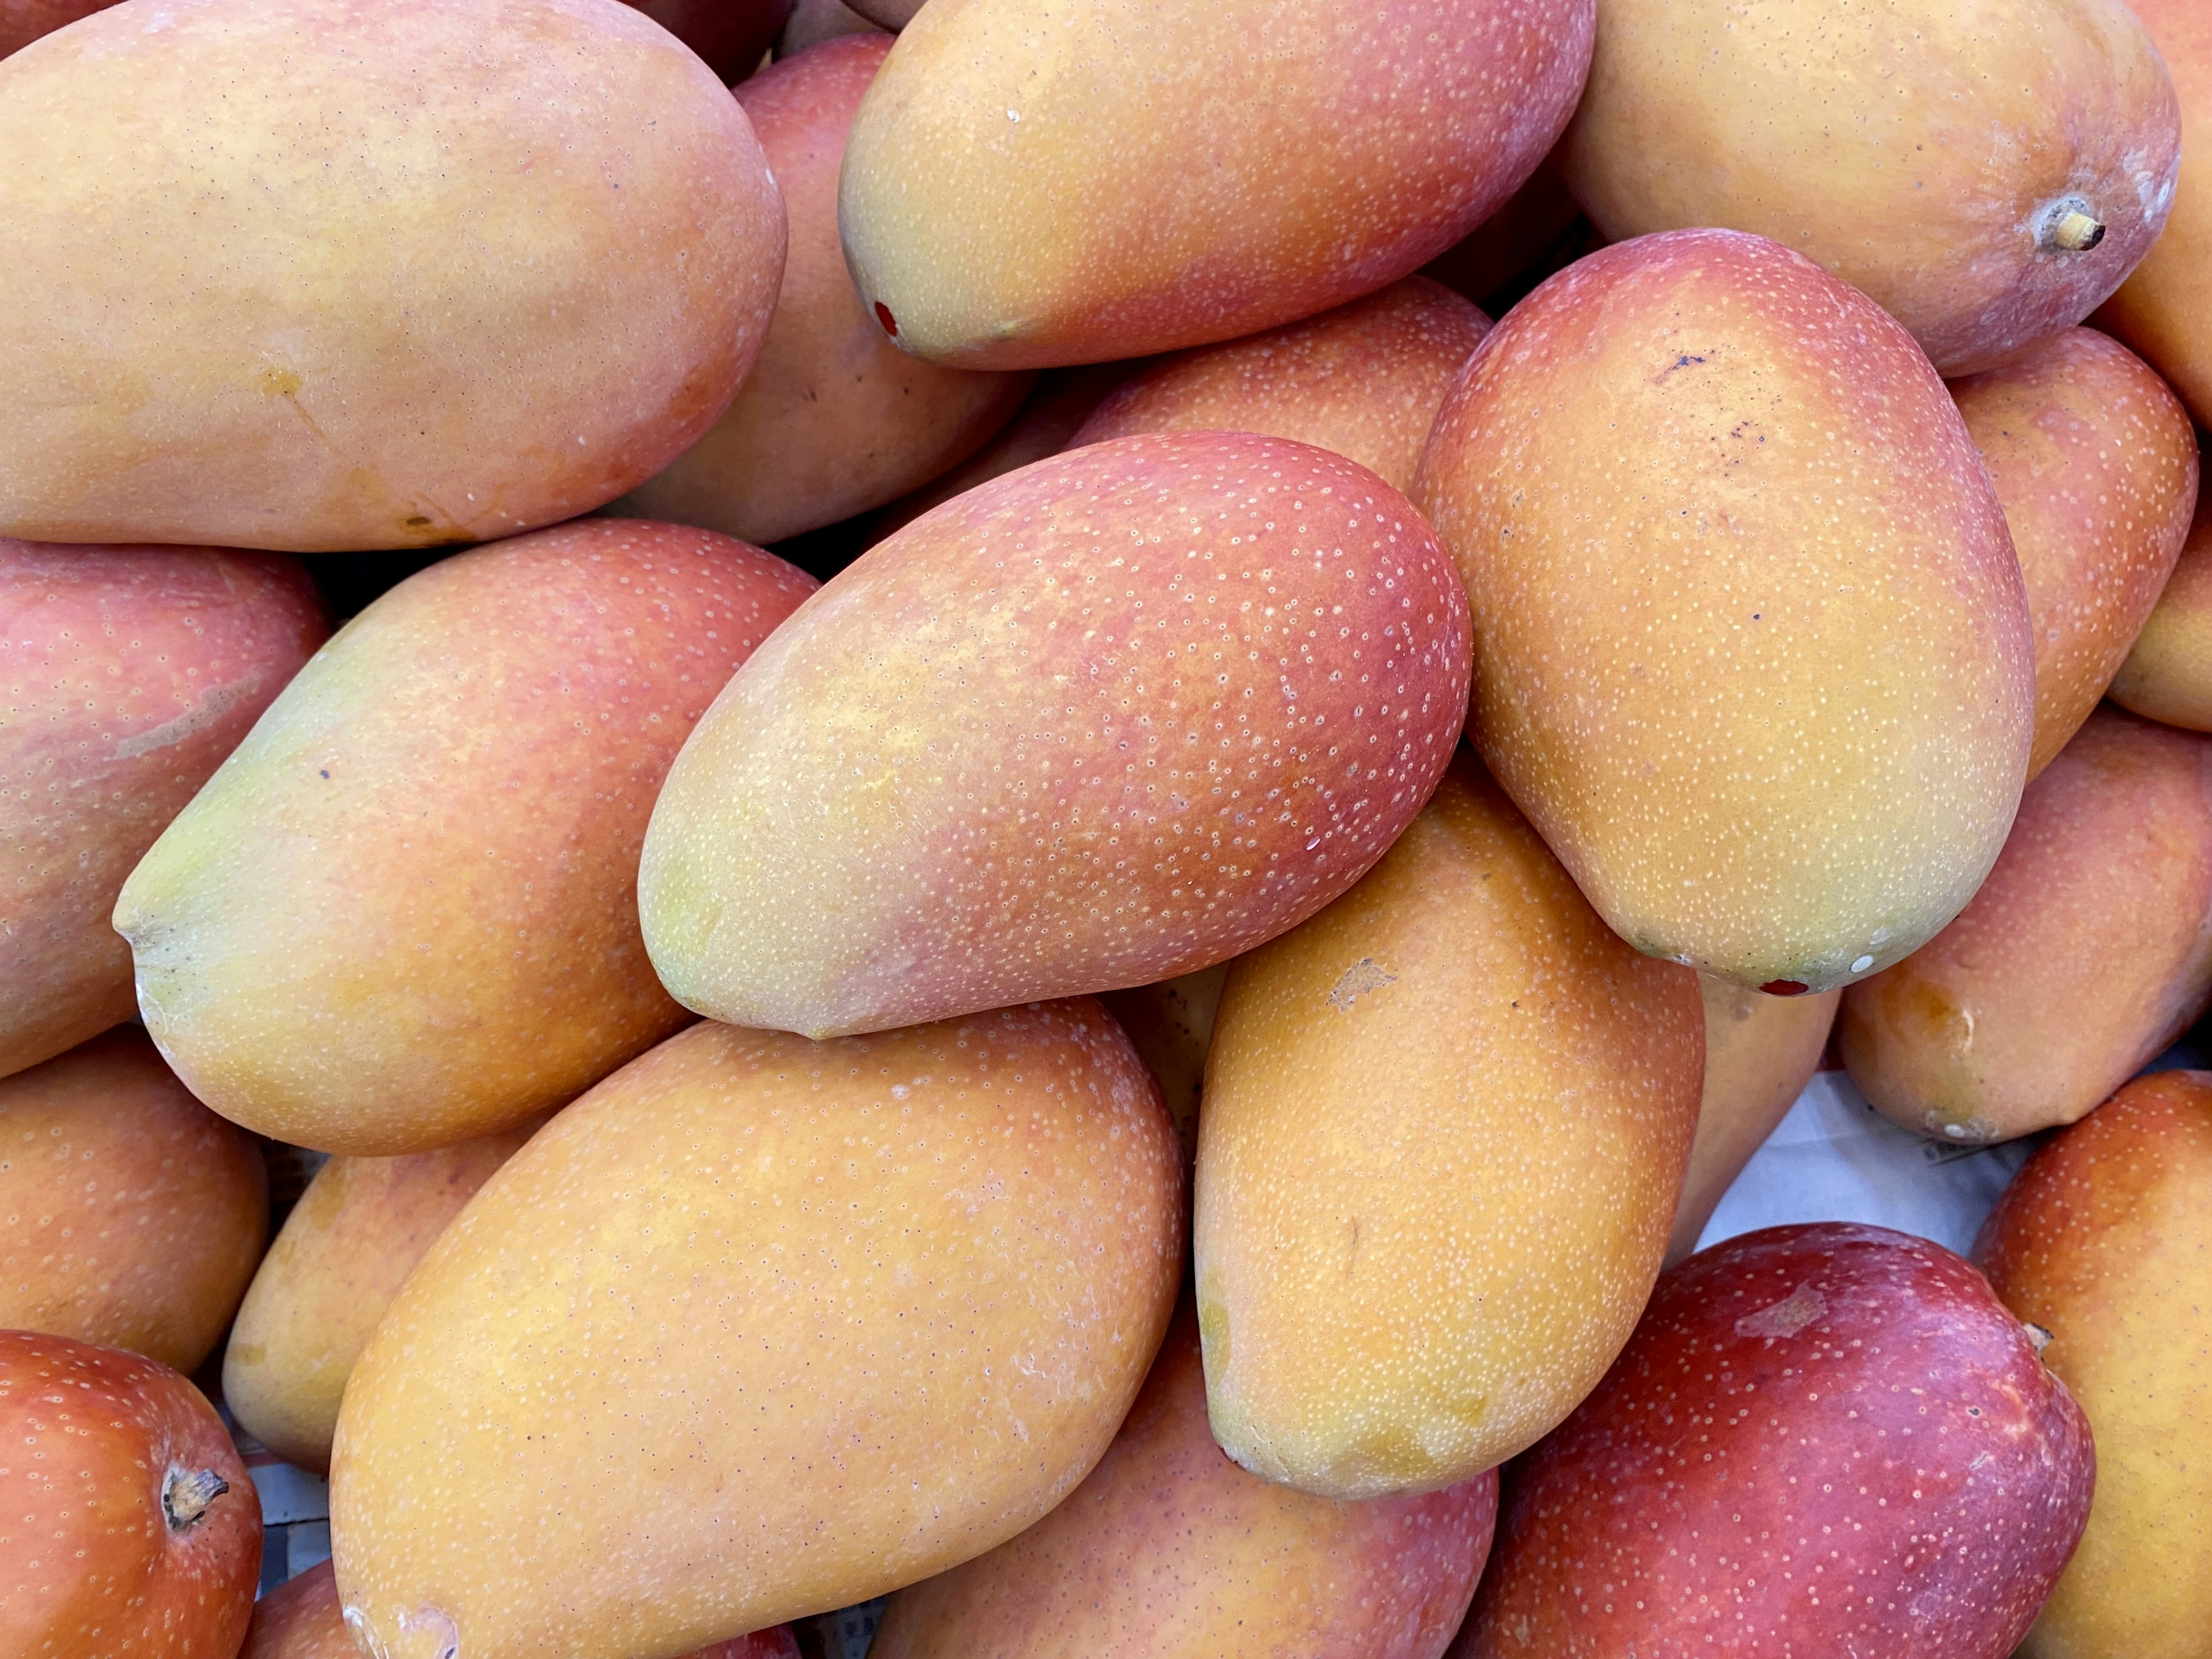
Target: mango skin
(400, 915)
(2105, 1240)
(1687, 480)
(131, 1215)
(1445, 1125)
(1760, 1052)
(1823, 1439)
(1363, 380)
(761, 1328)
(1115, 717)
(301, 1619)
(1918, 150)
(2087, 951)
(2167, 675)
(344, 1251)
(1169, 1551)
(2164, 310)
(126, 675)
(2096, 465)
(417, 273)
(1027, 185)
(834, 418)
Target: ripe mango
(406, 272)
(761, 1328)
(2096, 465)
(344, 1251)
(2087, 951)
(1755, 650)
(1111, 718)
(1445, 1125)
(1825, 1439)
(1169, 1551)
(1760, 1052)
(126, 675)
(2104, 1240)
(131, 1215)
(1030, 183)
(834, 418)
(1987, 170)
(2164, 310)
(2167, 675)
(401, 914)
(1363, 380)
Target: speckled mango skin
(2105, 1240)
(1760, 1052)
(346, 1249)
(401, 914)
(1916, 148)
(2167, 675)
(1115, 717)
(2096, 465)
(89, 1567)
(1363, 380)
(403, 272)
(301, 1619)
(834, 418)
(1755, 655)
(126, 675)
(131, 1215)
(761, 1328)
(1445, 1126)
(1169, 1551)
(1826, 1439)
(2164, 310)
(1030, 183)
(2087, 951)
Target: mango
(401, 914)
(1987, 170)
(2167, 675)
(2164, 310)
(1760, 1052)
(1168, 1550)
(834, 419)
(1115, 717)
(1171, 1023)
(1030, 184)
(1756, 658)
(2087, 951)
(301, 1619)
(407, 272)
(2104, 1241)
(133, 1528)
(131, 1215)
(730, 36)
(346, 1249)
(1445, 1125)
(761, 1328)
(126, 675)
(813, 21)
(22, 21)
(1823, 1439)
(2096, 465)
(1364, 381)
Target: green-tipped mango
(1115, 717)
(1755, 655)
(1445, 1127)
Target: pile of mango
(1005, 870)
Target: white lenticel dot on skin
(1862, 964)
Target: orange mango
(1028, 184)
(2167, 675)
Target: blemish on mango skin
(277, 382)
